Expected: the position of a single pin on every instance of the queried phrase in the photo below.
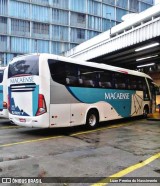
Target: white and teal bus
(46, 90)
(3, 92)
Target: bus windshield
(27, 66)
(1, 75)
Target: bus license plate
(22, 120)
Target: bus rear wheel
(92, 119)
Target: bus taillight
(4, 105)
(8, 103)
(41, 105)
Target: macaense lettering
(116, 95)
(22, 80)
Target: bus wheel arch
(92, 118)
(145, 110)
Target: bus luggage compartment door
(77, 114)
(60, 115)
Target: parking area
(76, 156)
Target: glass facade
(55, 26)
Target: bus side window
(71, 73)
(57, 72)
(105, 84)
(132, 82)
(128, 84)
(63, 73)
(87, 76)
(71, 80)
(140, 83)
(105, 80)
(88, 83)
(145, 90)
(151, 87)
(119, 81)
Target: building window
(3, 38)
(3, 25)
(55, 1)
(80, 34)
(41, 46)
(91, 34)
(111, 2)
(61, 3)
(106, 24)
(60, 33)
(20, 27)
(59, 47)
(133, 5)
(77, 35)
(148, 1)
(40, 13)
(108, 12)
(60, 16)
(3, 20)
(81, 18)
(78, 20)
(143, 6)
(122, 3)
(40, 28)
(119, 14)
(94, 8)
(19, 44)
(19, 9)
(43, 2)
(78, 6)
(3, 7)
(94, 23)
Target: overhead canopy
(130, 58)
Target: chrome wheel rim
(92, 120)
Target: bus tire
(145, 111)
(92, 119)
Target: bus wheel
(92, 119)
(145, 111)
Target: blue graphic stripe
(120, 100)
(1, 97)
(35, 99)
(73, 94)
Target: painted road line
(126, 171)
(10, 127)
(30, 141)
(54, 137)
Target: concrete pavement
(155, 116)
